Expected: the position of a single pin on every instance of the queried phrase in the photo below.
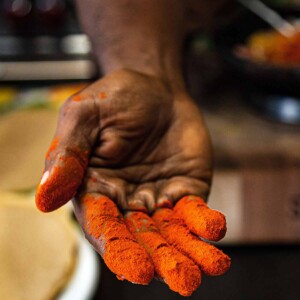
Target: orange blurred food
(273, 48)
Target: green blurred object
(33, 98)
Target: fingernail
(163, 203)
(44, 178)
(137, 205)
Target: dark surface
(267, 77)
(262, 272)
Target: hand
(130, 138)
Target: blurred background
(245, 77)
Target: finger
(134, 204)
(106, 230)
(67, 157)
(98, 181)
(164, 202)
(176, 188)
(179, 272)
(200, 219)
(144, 194)
(212, 261)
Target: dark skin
(143, 137)
(132, 161)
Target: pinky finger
(212, 261)
(200, 219)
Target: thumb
(67, 157)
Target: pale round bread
(9, 196)
(24, 140)
(37, 251)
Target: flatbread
(65, 212)
(37, 251)
(24, 139)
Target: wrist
(145, 36)
(150, 59)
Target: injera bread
(37, 251)
(24, 139)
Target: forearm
(142, 35)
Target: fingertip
(134, 265)
(46, 201)
(201, 220)
(59, 183)
(212, 261)
(221, 264)
(180, 273)
(44, 177)
(215, 225)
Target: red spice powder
(200, 219)
(94, 179)
(77, 98)
(52, 147)
(102, 95)
(212, 261)
(61, 185)
(120, 251)
(179, 272)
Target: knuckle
(66, 107)
(74, 108)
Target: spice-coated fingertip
(60, 184)
(212, 261)
(129, 260)
(200, 219)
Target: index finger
(105, 228)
